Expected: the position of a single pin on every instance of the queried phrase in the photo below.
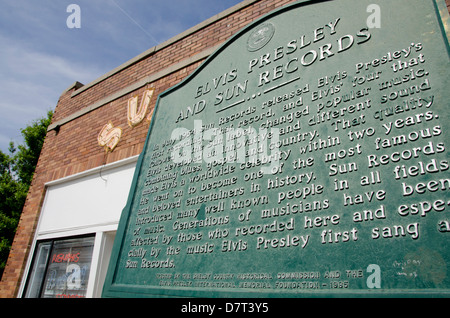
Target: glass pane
(38, 271)
(68, 269)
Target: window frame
(36, 253)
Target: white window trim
(103, 233)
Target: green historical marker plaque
(306, 157)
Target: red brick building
(72, 160)
(79, 188)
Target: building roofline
(79, 88)
(165, 44)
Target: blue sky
(40, 56)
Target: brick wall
(73, 148)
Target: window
(60, 268)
